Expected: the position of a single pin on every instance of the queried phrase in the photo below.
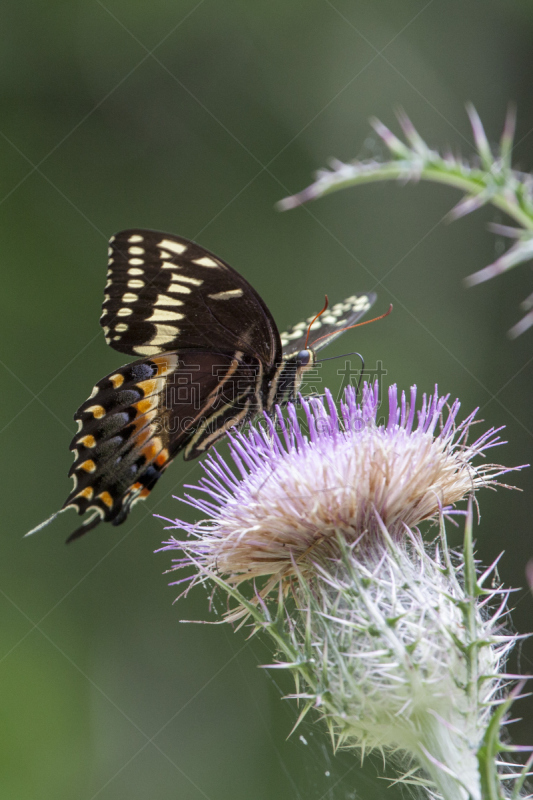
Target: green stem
(473, 185)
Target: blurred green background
(196, 117)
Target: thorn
(480, 137)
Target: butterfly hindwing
(139, 417)
(165, 292)
(329, 325)
(230, 389)
(121, 446)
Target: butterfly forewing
(328, 326)
(165, 292)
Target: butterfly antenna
(314, 320)
(341, 330)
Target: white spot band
(231, 293)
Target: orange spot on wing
(87, 493)
(151, 450)
(143, 406)
(148, 387)
(96, 411)
(143, 436)
(143, 421)
(162, 458)
(88, 466)
(117, 380)
(87, 441)
(106, 498)
(139, 490)
(164, 364)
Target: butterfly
(210, 358)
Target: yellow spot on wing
(186, 279)
(174, 247)
(205, 261)
(87, 493)
(133, 238)
(165, 300)
(226, 295)
(177, 287)
(159, 315)
(147, 350)
(164, 334)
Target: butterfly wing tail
(44, 524)
(88, 525)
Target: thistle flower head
(394, 644)
(348, 474)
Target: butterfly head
(288, 379)
(304, 359)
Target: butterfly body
(209, 358)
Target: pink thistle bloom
(295, 492)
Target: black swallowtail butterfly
(211, 358)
